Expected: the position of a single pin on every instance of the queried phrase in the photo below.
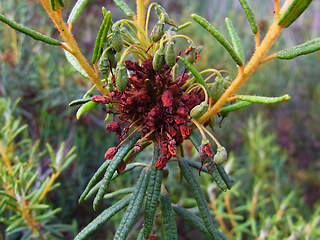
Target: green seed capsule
(217, 89)
(221, 156)
(170, 54)
(117, 40)
(199, 110)
(162, 14)
(110, 85)
(158, 59)
(157, 31)
(104, 66)
(122, 77)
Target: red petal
(161, 162)
(167, 98)
(110, 153)
(100, 99)
(121, 167)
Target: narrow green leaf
(75, 64)
(17, 223)
(86, 107)
(136, 201)
(103, 31)
(215, 33)
(153, 194)
(119, 192)
(140, 236)
(234, 107)
(235, 39)
(124, 8)
(102, 218)
(264, 100)
(34, 34)
(94, 179)
(31, 181)
(38, 206)
(296, 8)
(76, 11)
(192, 219)
(121, 153)
(197, 193)
(250, 15)
(195, 73)
(169, 223)
(5, 194)
(47, 215)
(79, 101)
(306, 48)
(183, 26)
(224, 176)
(12, 137)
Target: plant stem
(242, 76)
(72, 44)
(141, 12)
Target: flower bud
(100, 99)
(158, 59)
(122, 77)
(199, 110)
(117, 41)
(205, 151)
(170, 54)
(192, 54)
(217, 89)
(157, 31)
(113, 126)
(221, 155)
(104, 66)
(110, 152)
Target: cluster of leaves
(23, 188)
(152, 79)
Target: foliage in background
(23, 188)
(85, 132)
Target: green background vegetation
(275, 150)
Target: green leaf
(169, 223)
(183, 26)
(264, 100)
(215, 33)
(153, 194)
(136, 201)
(124, 8)
(295, 9)
(77, 10)
(121, 153)
(192, 219)
(306, 48)
(75, 64)
(86, 107)
(38, 206)
(234, 107)
(102, 218)
(250, 16)
(197, 193)
(119, 192)
(47, 215)
(235, 39)
(195, 73)
(103, 31)
(31, 33)
(224, 176)
(80, 101)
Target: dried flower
(110, 152)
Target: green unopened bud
(112, 57)
(162, 14)
(110, 85)
(217, 89)
(104, 66)
(117, 41)
(170, 54)
(221, 155)
(157, 31)
(158, 59)
(199, 110)
(122, 77)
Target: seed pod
(117, 41)
(158, 59)
(199, 110)
(122, 77)
(162, 14)
(217, 89)
(170, 54)
(157, 31)
(111, 56)
(104, 66)
(221, 155)
(110, 85)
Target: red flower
(161, 162)
(205, 151)
(110, 152)
(100, 99)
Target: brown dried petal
(113, 126)
(121, 167)
(167, 98)
(100, 99)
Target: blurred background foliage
(275, 149)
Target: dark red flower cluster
(158, 103)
